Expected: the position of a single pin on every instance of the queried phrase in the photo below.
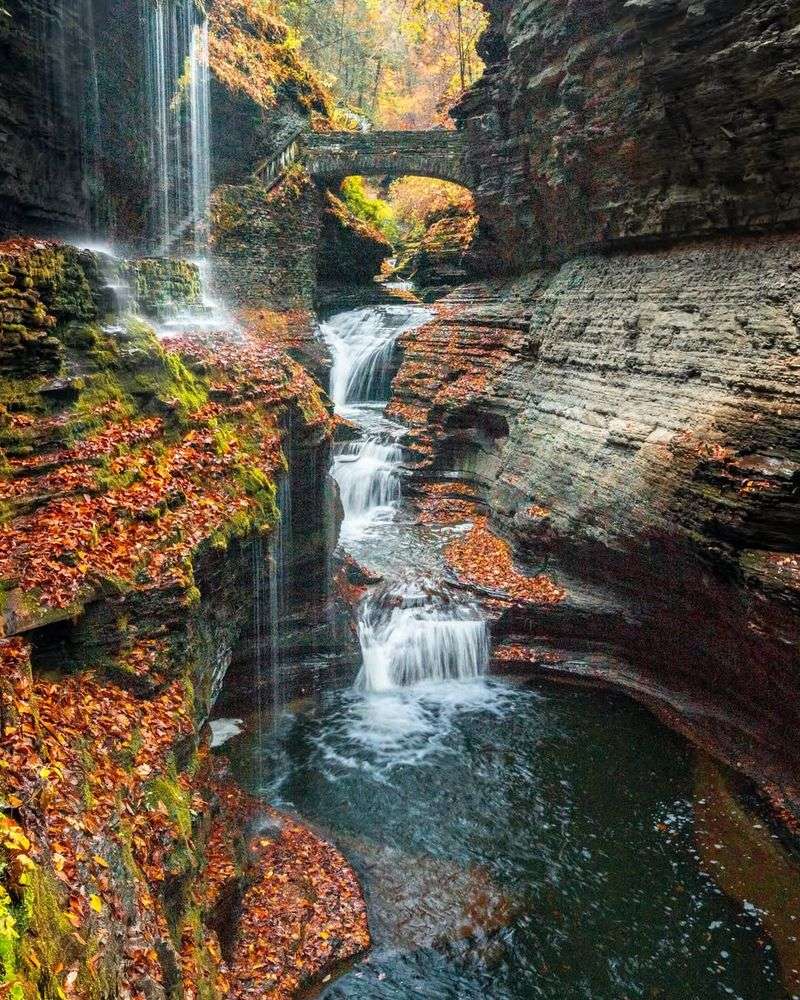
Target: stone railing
(270, 171)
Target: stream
(513, 841)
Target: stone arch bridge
(332, 156)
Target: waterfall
(200, 135)
(257, 564)
(178, 94)
(280, 591)
(270, 594)
(367, 474)
(362, 342)
(410, 633)
(64, 60)
(411, 630)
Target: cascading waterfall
(178, 93)
(410, 633)
(362, 342)
(366, 471)
(413, 630)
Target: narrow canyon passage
(399, 500)
(514, 841)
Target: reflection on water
(515, 844)
(748, 861)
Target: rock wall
(632, 422)
(42, 69)
(351, 251)
(629, 408)
(611, 123)
(265, 244)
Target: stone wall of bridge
(436, 153)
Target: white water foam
(367, 472)
(411, 632)
(362, 342)
(223, 730)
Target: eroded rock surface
(140, 489)
(646, 458)
(618, 122)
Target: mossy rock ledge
(136, 478)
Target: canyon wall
(42, 122)
(610, 123)
(628, 407)
(142, 489)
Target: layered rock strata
(632, 422)
(615, 123)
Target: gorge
(364, 638)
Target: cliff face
(610, 123)
(41, 118)
(632, 424)
(631, 418)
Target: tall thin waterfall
(199, 88)
(411, 633)
(280, 590)
(178, 94)
(64, 55)
(257, 556)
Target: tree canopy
(397, 63)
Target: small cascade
(410, 633)
(178, 94)
(207, 316)
(367, 474)
(362, 342)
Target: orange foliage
(483, 559)
(62, 768)
(440, 504)
(252, 50)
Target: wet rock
(351, 250)
(649, 465)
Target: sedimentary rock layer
(619, 122)
(647, 409)
(139, 493)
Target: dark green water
(515, 844)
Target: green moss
(184, 388)
(21, 395)
(35, 937)
(127, 756)
(9, 945)
(161, 286)
(102, 400)
(167, 791)
(203, 963)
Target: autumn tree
(398, 63)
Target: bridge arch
(438, 153)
